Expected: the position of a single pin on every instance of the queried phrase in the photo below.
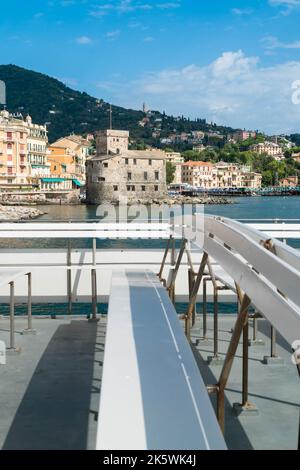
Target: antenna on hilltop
(110, 117)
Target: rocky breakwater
(16, 213)
(180, 200)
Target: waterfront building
(221, 175)
(177, 160)
(251, 180)
(23, 152)
(289, 181)
(198, 174)
(71, 151)
(228, 175)
(116, 172)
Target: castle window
(133, 188)
(101, 179)
(157, 175)
(126, 161)
(145, 175)
(116, 188)
(155, 188)
(105, 165)
(143, 188)
(150, 162)
(134, 161)
(129, 175)
(128, 188)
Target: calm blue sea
(242, 208)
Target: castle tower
(112, 141)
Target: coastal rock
(15, 213)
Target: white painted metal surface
(86, 230)
(2, 353)
(268, 280)
(152, 394)
(10, 274)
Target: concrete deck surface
(49, 394)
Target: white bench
(152, 394)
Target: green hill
(65, 110)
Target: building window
(145, 176)
(105, 165)
(101, 179)
(129, 176)
(143, 188)
(157, 175)
(128, 188)
(126, 161)
(116, 188)
(150, 162)
(9, 146)
(133, 188)
(134, 161)
(155, 188)
(9, 135)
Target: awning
(53, 180)
(77, 182)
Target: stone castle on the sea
(116, 172)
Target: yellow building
(220, 175)
(198, 174)
(71, 151)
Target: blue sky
(233, 62)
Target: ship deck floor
(49, 394)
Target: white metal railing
(270, 277)
(86, 230)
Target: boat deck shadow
(55, 410)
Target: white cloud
(84, 40)
(272, 42)
(241, 11)
(234, 90)
(287, 5)
(129, 6)
(148, 39)
(113, 34)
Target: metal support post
(173, 260)
(69, 278)
(273, 358)
(238, 329)
(164, 259)
(29, 330)
(12, 347)
(191, 281)
(171, 287)
(245, 362)
(193, 298)
(94, 283)
(255, 341)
